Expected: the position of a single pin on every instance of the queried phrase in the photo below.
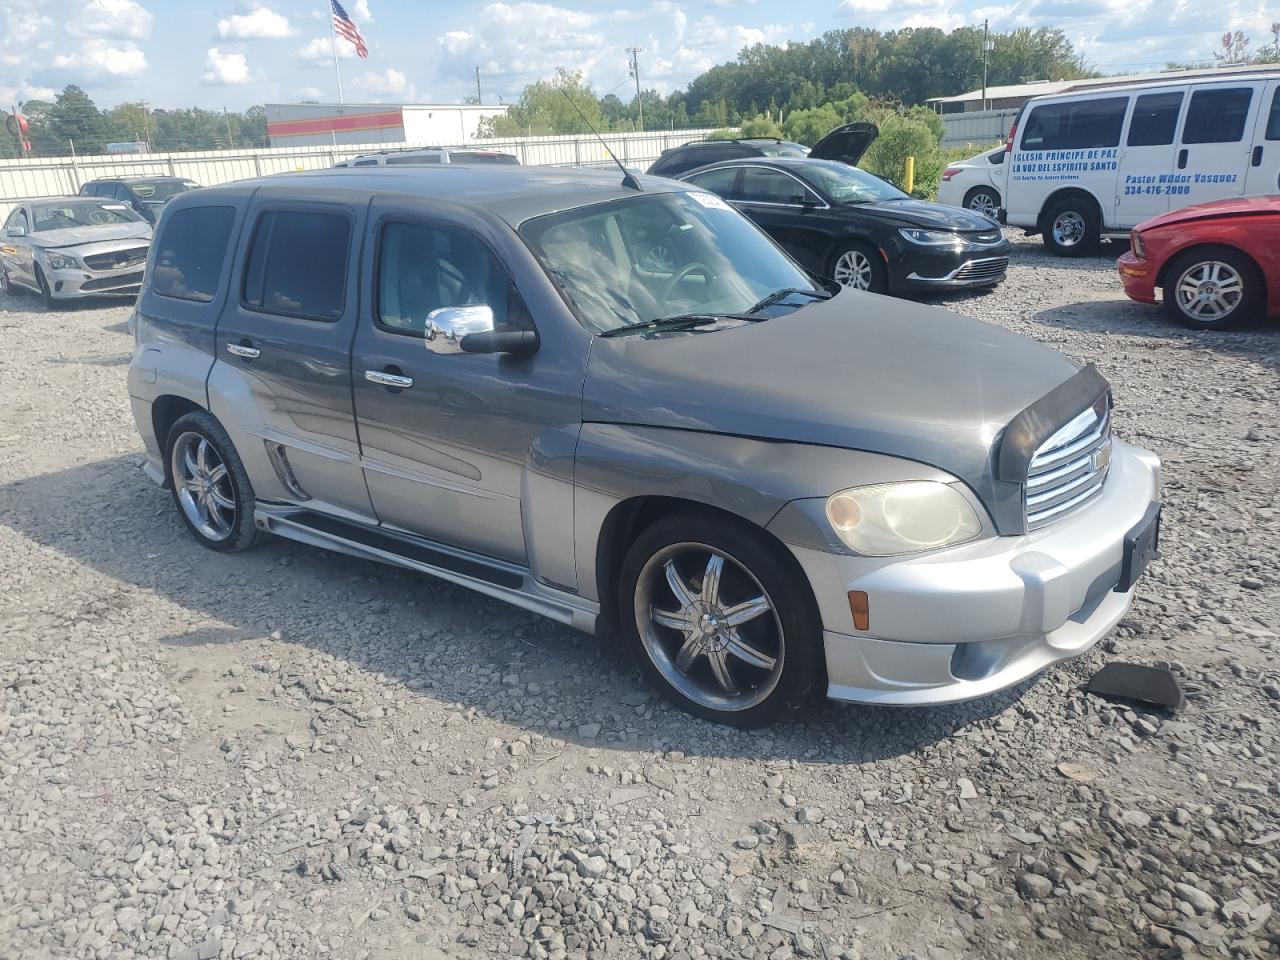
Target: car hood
(1230, 207)
(858, 371)
(75, 236)
(922, 213)
(845, 143)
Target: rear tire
(1213, 288)
(983, 200)
(860, 266)
(210, 486)
(720, 619)
(1072, 227)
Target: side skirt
(503, 581)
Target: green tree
(761, 126)
(900, 137)
(548, 107)
(76, 119)
(810, 126)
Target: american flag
(347, 29)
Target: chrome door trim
(388, 379)
(240, 350)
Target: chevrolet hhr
(620, 405)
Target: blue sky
(241, 52)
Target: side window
(415, 161)
(1273, 121)
(422, 268)
(1075, 125)
(18, 219)
(1155, 118)
(298, 264)
(1217, 116)
(762, 185)
(190, 253)
(365, 163)
(87, 189)
(717, 181)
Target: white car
(975, 183)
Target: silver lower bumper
(74, 284)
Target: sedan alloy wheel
(853, 269)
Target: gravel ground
(289, 753)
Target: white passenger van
(1096, 162)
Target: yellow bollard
(909, 177)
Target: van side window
(1155, 119)
(190, 252)
(415, 160)
(1075, 125)
(1273, 121)
(298, 264)
(1217, 116)
(422, 268)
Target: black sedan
(844, 224)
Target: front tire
(210, 487)
(860, 266)
(983, 200)
(45, 293)
(1072, 227)
(1212, 288)
(720, 619)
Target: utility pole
(146, 124)
(635, 72)
(479, 95)
(986, 52)
(231, 140)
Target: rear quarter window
(190, 253)
(298, 264)
(1075, 124)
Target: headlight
(60, 261)
(931, 238)
(1139, 245)
(891, 518)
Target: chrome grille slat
(1070, 467)
(116, 259)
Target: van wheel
(1212, 288)
(213, 493)
(719, 620)
(983, 200)
(1072, 227)
(859, 266)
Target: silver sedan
(69, 247)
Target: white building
(321, 124)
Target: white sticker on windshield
(113, 206)
(711, 201)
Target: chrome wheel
(709, 627)
(1209, 291)
(984, 203)
(203, 486)
(853, 269)
(1069, 228)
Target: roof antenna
(628, 178)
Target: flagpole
(333, 36)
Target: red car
(1216, 264)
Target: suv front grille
(116, 259)
(1070, 467)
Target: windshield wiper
(779, 295)
(682, 321)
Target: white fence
(978, 129)
(58, 176)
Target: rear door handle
(1182, 159)
(393, 380)
(1257, 155)
(243, 350)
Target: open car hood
(846, 143)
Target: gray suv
(628, 410)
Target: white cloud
(111, 18)
(319, 52)
(360, 10)
(225, 69)
(310, 93)
(262, 23)
(24, 91)
(390, 84)
(104, 58)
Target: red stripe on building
(347, 122)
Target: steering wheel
(679, 276)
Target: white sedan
(976, 183)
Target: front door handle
(243, 350)
(1257, 155)
(394, 380)
(1182, 159)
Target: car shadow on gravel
(464, 644)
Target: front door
(15, 252)
(788, 211)
(284, 349)
(1264, 157)
(447, 438)
(1145, 182)
(1213, 151)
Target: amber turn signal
(859, 606)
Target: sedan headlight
(61, 261)
(931, 238)
(891, 518)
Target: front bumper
(1138, 277)
(971, 620)
(920, 268)
(72, 284)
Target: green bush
(810, 126)
(761, 126)
(901, 137)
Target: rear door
(1144, 183)
(1215, 143)
(281, 383)
(1264, 157)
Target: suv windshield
(60, 216)
(846, 184)
(659, 255)
(160, 189)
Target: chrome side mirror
(448, 325)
